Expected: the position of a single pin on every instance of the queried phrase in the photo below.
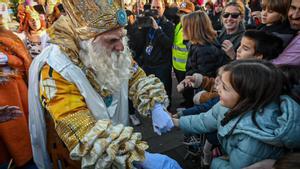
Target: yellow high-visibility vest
(179, 50)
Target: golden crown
(95, 16)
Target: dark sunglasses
(233, 15)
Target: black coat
(205, 59)
(282, 30)
(162, 44)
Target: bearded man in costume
(79, 90)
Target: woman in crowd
(233, 27)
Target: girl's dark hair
(267, 44)
(257, 82)
(292, 80)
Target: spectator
(213, 15)
(259, 44)
(292, 79)
(205, 55)
(233, 27)
(157, 55)
(171, 14)
(180, 51)
(245, 114)
(291, 54)
(274, 19)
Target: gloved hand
(157, 161)
(161, 120)
(197, 79)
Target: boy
(259, 45)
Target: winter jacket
(242, 140)
(205, 59)
(282, 30)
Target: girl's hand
(175, 122)
(176, 116)
(188, 81)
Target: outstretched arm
(149, 98)
(96, 143)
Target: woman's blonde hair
(198, 28)
(237, 3)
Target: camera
(144, 20)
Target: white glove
(198, 78)
(161, 120)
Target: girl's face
(231, 18)
(228, 96)
(269, 17)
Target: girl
(254, 120)
(205, 55)
(274, 19)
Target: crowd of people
(73, 75)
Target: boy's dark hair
(257, 82)
(292, 76)
(290, 161)
(266, 44)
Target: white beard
(110, 70)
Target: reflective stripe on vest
(179, 60)
(179, 50)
